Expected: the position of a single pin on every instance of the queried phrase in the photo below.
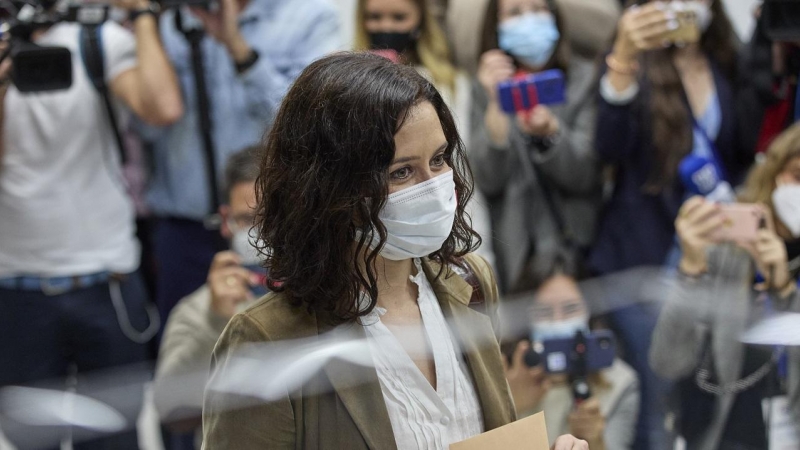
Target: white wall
(741, 14)
(347, 17)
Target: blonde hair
(761, 181)
(432, 50)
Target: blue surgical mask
(563, 329)
(531, 38)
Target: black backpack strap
(93, 60)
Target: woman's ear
(224, 229)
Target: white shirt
(64, 209)
(421, 417)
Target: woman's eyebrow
(405, 159)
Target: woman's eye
(373, 17)
(439, 160)
(401, 174)
(400, 17)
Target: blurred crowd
(127, 198)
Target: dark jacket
(637, 228)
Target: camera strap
(564, 232)
(93, 60)
(194, 36)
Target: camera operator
(198, 320)
(71, 296)
(250, 51)
(607, 419)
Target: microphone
(701, 176)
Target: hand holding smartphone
(523, 94)
(740, 223)
(687, 30)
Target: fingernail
(673, 24)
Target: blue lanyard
(714, 150)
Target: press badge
(783, 431)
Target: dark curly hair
(324, 180)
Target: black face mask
(399, 42)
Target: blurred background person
(250, 51)
(72, 300)
(197, 321)
(410, 28)
(519, 161)
(722, 289)
(666, 95)
(607, 420)
(769, 69)
(591, 24)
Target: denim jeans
(634, 325)
(45, 338)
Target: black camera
(39, 68)
(781, 19)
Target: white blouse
(421, 417)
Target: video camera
(576, 357)
(39, 68)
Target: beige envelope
(529, 433)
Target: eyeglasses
(566, 308)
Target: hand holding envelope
(529, 433)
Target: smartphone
(741, 223)
(523, 94)
(688, 31)
(558, 355)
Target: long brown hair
(324, 180)
(670, 118)
(561, 55)
(431, 51)
(761, 181)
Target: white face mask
(242, 245)
(702, 11)
(563, 329)
(786, 199)
(418, 219)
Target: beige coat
(343, 415)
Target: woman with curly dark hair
(361, 205)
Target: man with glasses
(234, 281)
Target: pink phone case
(741, 224)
